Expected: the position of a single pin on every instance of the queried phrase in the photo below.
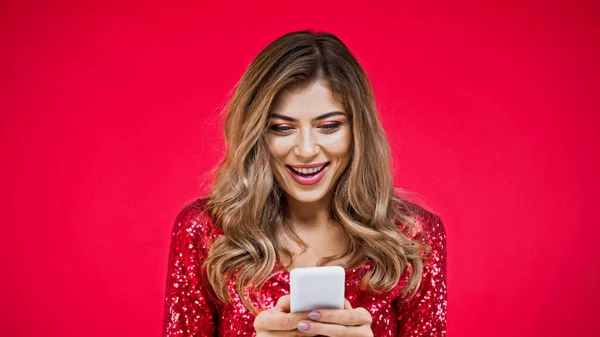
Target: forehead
(309, 101)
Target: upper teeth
(308, 170)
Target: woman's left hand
(338, 322)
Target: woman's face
(309, 131)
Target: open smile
(308, 174)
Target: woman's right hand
(279, 321)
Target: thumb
(347, 304)
(283, 304)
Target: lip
(308, 180)
(309, 165)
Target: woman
(306, 181)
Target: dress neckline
(280, 269)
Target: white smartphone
(317, 288)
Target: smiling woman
(312, 147)
(306, 181)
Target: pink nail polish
(303, 326)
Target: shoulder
(193, 225)
(428, 227)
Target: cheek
(278, 154)
(338, 144)
(278, 147)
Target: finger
(334, 330)
(347, 304)
(278, 321)
(294, 333)
(283, 303)
(351, 317)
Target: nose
(306, 145)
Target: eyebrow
(318, 118)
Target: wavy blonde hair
(246, 202)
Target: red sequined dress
(189, 308)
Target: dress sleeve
(189, 309)
(425, 313)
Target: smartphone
(317, 288)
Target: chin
(308, 197)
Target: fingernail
(314, 315)
(303, 326)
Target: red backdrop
(108, 120)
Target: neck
(309, 214)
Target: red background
(108, 120)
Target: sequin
(190, 307)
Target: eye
(280, 128)
(331, 126)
